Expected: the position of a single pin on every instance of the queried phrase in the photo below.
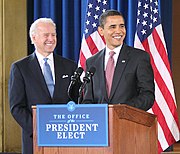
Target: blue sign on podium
(72, 125)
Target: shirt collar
(41, 57)
(116, 50)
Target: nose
(120, 29)
(51, 37)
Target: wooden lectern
(131, 131)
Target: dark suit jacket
(27, 87)
(133, 81)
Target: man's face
(45, 38)
(114, 31)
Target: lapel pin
(123, 61)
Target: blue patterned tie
(48, 76)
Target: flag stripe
(91, 45)
(85, 49)
(98, 40)
(160, 148)
(83, 60)
(161, 140)
(161, 68)
(167, 114)
(162, 51)
(162, 121)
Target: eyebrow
(116, 25)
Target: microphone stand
(80, 98)
(92, 90)
(70, 87)
(74, 79)
(86, 79)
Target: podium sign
(72, 125)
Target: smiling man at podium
(124, 74)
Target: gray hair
(34, 25)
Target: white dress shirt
(116, 55)
(50, 62)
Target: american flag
(149, 37)
(92, 42)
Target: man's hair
(33, 28)
(104, 15)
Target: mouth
(49, 44)
(117, 37)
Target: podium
(131, 131)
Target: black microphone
(74, 78)
(88, 75)
(86, 80)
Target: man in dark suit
(27, 84)
(132, 78)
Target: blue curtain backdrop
(69, 17)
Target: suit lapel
(37, 73)
(120, 67)
(101, 69)
(58, 75)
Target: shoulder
(96, 56)
(64, 61)
(135, 52)
(23, 61)
(22, 65)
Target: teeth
(117, 37)
(48, 44)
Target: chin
(50, 50)
(118, 45)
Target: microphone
(86, 80)
(74, 78)
(88, 75)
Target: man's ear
(33, 38)
(100, 30)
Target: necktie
(48, 76)
(109, 72)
